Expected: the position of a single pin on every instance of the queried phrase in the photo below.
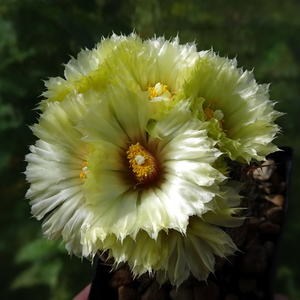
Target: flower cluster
(131, 154)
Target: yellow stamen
(142, 163)
(209, 113)
(84, 171)
(158, 90)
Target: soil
(249, 274)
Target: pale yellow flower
(139, 181)
(235, 107)
(141, 65)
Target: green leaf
(41, 249)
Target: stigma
(216, 114)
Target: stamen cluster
(144, 166)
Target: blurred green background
(38, 36)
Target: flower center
(84, 171)
(217, 114)
(144, 166)
(159, 90)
